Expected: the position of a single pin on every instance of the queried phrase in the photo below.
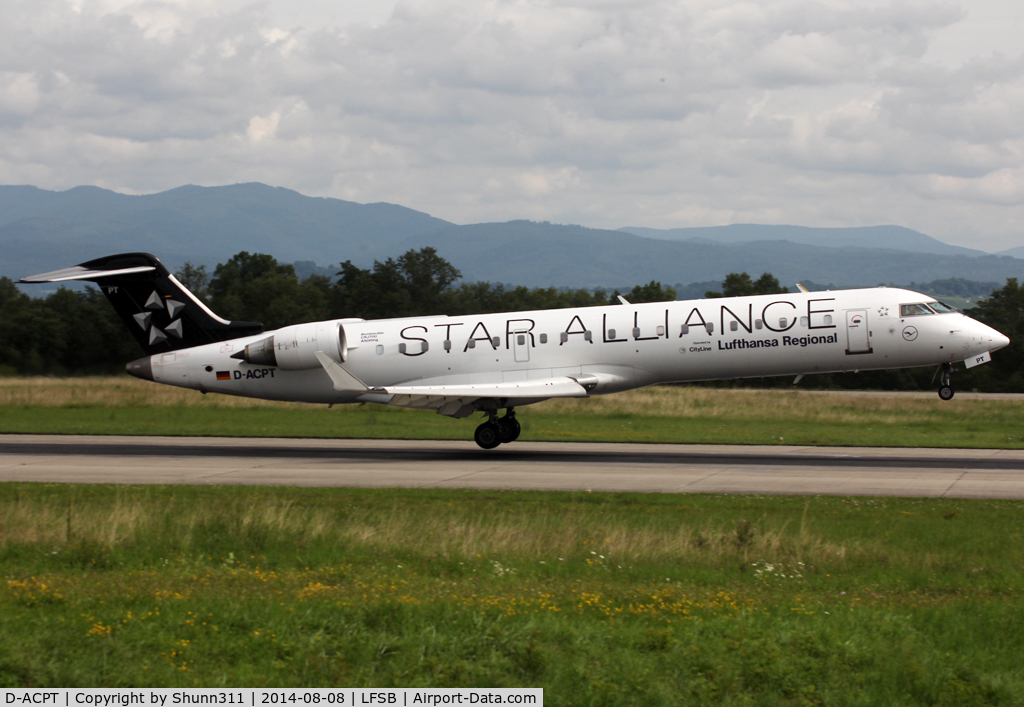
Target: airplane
(460, 365)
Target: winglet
(342, 379)
(623, 300)
(801, 288)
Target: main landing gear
(946, 381)
(498, 430)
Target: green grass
(598, 598)
(1004, 431)
(662, 415)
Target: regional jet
(487, 363)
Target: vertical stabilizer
(161, 314)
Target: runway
(959, 473)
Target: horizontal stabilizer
(80, 273)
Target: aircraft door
(521, 346)
(858, 336)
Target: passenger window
(611, 333)
(685, 330)
(424, 346)
(563, 337)
(543, 338)
(782, 322)
(733, 326)
(588, 335)
(401, 348)
(447, 345)
(803, 321)
(496, 341)
(660, 331)
(471, 344)
(380, 350)
(758, 324)
(710, 326)
(520, 339)
(828, 320)
(636, 332)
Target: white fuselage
(621, 346)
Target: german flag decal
(223, 375)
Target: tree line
(255, 287)
(77, 332)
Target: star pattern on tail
(153, 309)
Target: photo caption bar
(249, 697)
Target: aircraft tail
(161, 314)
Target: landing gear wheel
(488, 435)
(946, 382)
(510, 429)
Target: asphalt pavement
(668, 468)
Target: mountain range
(885, 237)
(44, 230)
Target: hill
(1017, 252)
(884, 237)
(538, 254)
(200, 224)
(43, 230)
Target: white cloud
(652, 112)
(260, 127)
(19, 93)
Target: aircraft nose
(999, 340)
(980, 337)
(990, 338)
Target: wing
(455, 400)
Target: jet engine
(294, 347)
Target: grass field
(663, 414)
(601, 599)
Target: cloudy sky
(606, 113)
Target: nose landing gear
(498, 430)
(946, 381)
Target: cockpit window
(942, 308)
(914, 310)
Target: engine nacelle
(294, 348)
